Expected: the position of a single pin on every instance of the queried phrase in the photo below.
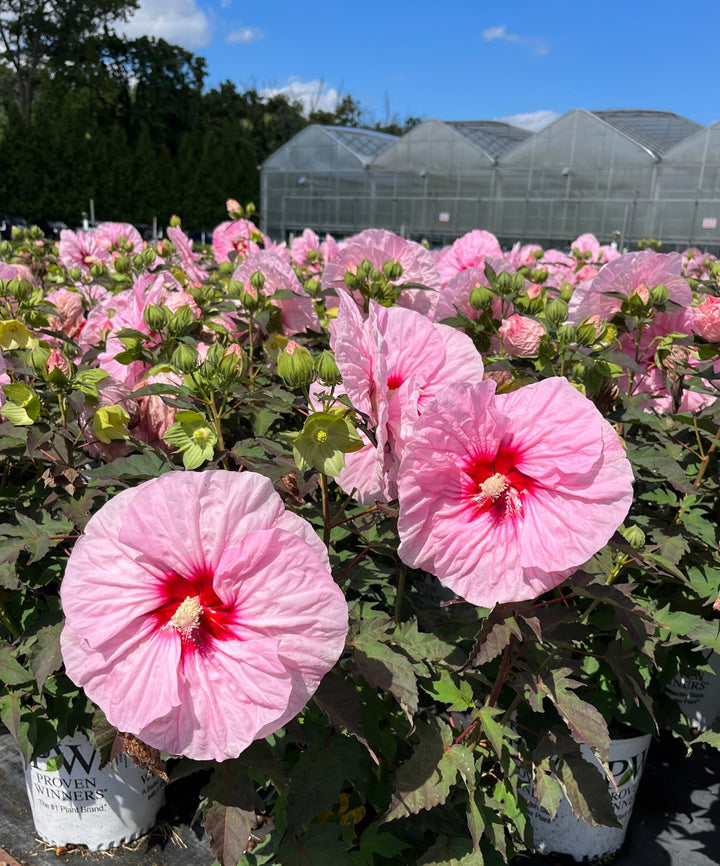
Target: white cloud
(245, 35)
(533, 120)
(179, 22)
(538, 46)
(312, 94)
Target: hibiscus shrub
(382, 535)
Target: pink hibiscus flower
(632, 274)
(707, 319)
(200, 614)
(81, 250)
(14, 271)
(392, 365)
(455, 296)
(297, 314)
(503, 496)
(521, 335)
(194, 272)
(70, 316)
(380, 246)
(236, 237)
(308, 242)
(108, 236)
(469, 251)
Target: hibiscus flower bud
(57, 369)
(295, 365)
(257, 281)
(634, 536)
(75, 274)
(185, 358)
(393, 270)
(556, 311)
(586, 334)
(480, 297)
(122, 265)
(174, 221)
(38, 357)
(97, 270)
(312, 286)
(327, 370)
(234, 209)
(233, 364)
(155, 317)
(566, 291)
(659, 295)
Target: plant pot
(73, 802)
(698, 694)
(574, 836)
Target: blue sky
(522, 60)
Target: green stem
(502, 673)
(326, 509)
(7, 622)
(400, 592)
(218, 431)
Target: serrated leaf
(12, 673)
(337, 697)
(548, 792)
(586, 724)
(705, 632)
(494, 635)
(493, 730)
(46, 657)
(425, 779)
(229, 829)
(387, 670)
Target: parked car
(7, 223)
(51, 228)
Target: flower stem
(326, 509)
(400, 592)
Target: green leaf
(443, 689)
(229, 829)
(45, 656)
(12, 673)
(586, 724)
(23, 405)
(425, 779)
(494, 636)
(387, 670)
(337, 697)
(692, 626)
(321, 844)
(451, 851)
(229, 819)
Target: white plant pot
(76, 803)
(698, 694)
(574, 836)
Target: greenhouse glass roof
(657, 131)
(363, 143)
(492, 136)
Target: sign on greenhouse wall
(444, 217)
(709, 223)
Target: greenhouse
(319, 179)
(441, 177)
(690, 185)
(622, 175)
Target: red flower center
(496, 486)
(192, 608)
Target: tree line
(86, 113)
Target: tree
(49, 37)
